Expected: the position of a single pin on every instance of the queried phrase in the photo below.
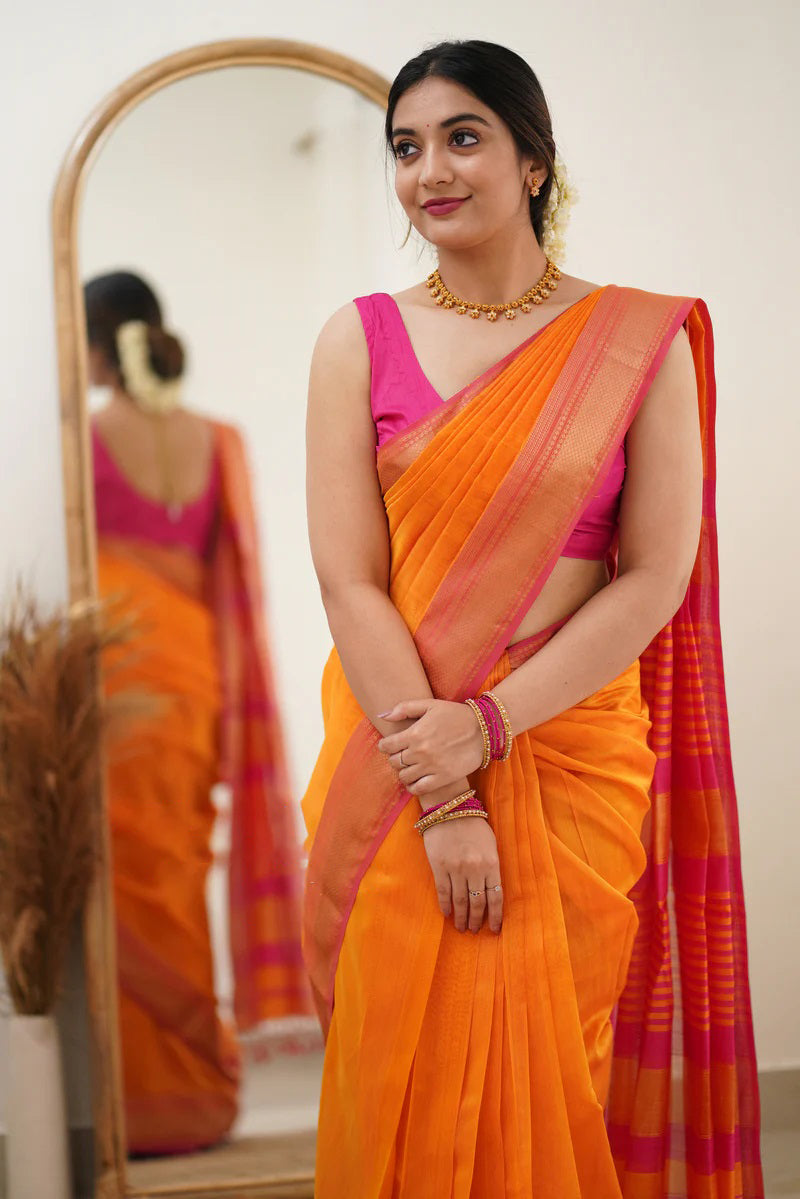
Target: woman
(497, 993)
(177, 542)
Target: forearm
(599, 641)
(379, 659)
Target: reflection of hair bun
(166, 353)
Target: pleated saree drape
(564, 1057)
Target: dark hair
(121, 296)
(502, 81)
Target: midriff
(571, 583)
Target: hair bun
(166, 353)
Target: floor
(278, 1140)
(274, 1137)
(780, 1133)
(284, 1160)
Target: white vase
(37, 1157)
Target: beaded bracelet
(465, 804)
(481, 812)
(497, 732)
(487, 742)
(447, 805)
(464, 795)
(471, 801)
(500, 706)
(446, 811)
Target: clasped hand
(443, 744)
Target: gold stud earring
(535, 188)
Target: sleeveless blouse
(123, 511)
(401, 393)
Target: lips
(444, 205)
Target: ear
(539, 172)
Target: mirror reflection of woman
(177, 541)
(511, 513)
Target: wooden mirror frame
(98, 924)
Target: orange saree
(201, 647)
(548, 1060)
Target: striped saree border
(265, 878)
(683, 1110)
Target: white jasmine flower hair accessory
(149, 390)
(563, 195)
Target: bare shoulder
(341, 341)
(671, 398)
(572, 288)
(677, 370)
(193, 430)
(412, 296)
(339, 379)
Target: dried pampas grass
(53, 721)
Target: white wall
(676, 124)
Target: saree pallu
(564, 1057)
(265, 877)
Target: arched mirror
(235, 186)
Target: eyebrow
(462, 116)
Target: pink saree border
(482, 668)
(420, 432)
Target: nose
(435, 166)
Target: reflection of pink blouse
(401, 394)
(122, 510)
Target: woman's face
(448, 145)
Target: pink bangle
(497, 730)
(473, 804)
(450, 809)
(498, 708)
(469, 796)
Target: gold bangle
(487, 744)
(483, 815)
(446, 807)
(428, 817)
(500, 706)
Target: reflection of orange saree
(202, 647)
(548, 1060)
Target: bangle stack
(465, 804)
(495, 727)
(487, 740)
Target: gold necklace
(536, 295)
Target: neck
(496, 271)
(120, 398)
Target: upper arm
(347, 523)
(661, 507)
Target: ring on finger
(475, 894)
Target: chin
(459, 239)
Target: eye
(398, 149)
(461, 133)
